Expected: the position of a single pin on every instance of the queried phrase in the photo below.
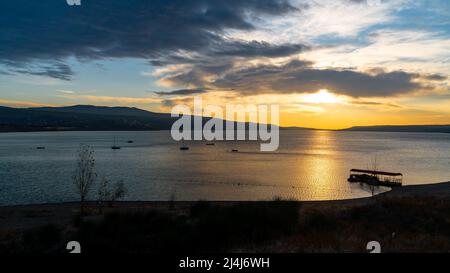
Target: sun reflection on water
(320, 168)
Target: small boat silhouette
(235, 150)
(115, 147)
(40, 148)
(183, 147)
(130, 141)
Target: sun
(322, 96)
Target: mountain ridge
(117, 118)
(444, 128)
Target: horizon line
(281, 127)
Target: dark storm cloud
(195, 77)
(58, 71)
(258, 49)
(229, 76)
(156, 30)
(221, 50)
(198, 71)
(177, 101)
(374, 103)
(300, 77)
(182, 92)
(435, 77)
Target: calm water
(309, 165)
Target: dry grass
(400, 224)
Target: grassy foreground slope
(400, 224)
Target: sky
(326, 63)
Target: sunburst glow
(322, 96)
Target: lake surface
(309, 165)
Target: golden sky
(326, 63)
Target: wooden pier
(376, 178)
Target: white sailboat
(115, 147)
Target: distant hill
(81, 118)
(102, 118)
(102, 110)
(403, 128)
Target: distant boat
(130, 141)
(235, 150)
(115, 147)
(40, 148)
(184, 147)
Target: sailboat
(184, 147)
(115, 147)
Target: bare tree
(84, 175)
(375, 163)
(104, 191)
(375, 169)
